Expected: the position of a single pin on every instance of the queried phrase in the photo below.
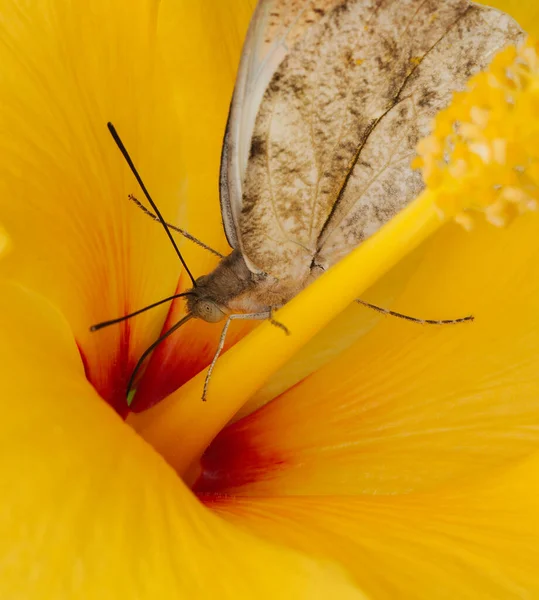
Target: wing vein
(317, 160)
(270, 172)
(405, 32)
(377, 121)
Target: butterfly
(330, 101)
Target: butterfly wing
(380, 181)
(275, 27)
(328, 160)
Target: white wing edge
(252, 80)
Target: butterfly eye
(208, 311)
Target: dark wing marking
(380, 182)
(337, 127)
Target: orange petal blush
(235, 460)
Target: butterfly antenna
(185, 234)
(99, 326)
(392, 313)
(149, 350)
(125, 154)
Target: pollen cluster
(483, 154)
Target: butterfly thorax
(233, 288)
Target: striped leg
(392, 313)
(277, 323)
(251, 316)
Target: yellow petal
(4, 242)
(409, 406)
(89, 510)
(476, 541)
(66, 71)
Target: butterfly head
(207, 310)
(203, 306)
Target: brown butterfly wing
(335, 132)
(381, 181)
(275, 27)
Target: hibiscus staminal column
(470, 163)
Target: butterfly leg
(250, 316)
(277, 323)
(392, 313)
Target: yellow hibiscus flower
(393, 461)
